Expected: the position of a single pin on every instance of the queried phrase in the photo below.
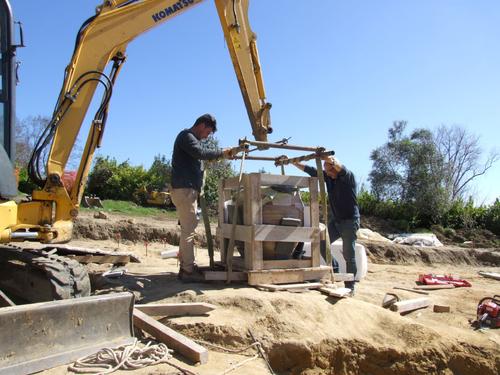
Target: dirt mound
(390, 253)
(323, 339)
(122, 228)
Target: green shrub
(449, 232)
(110, 180)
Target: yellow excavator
(101, 44)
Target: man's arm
(307, 169)
(190, 144)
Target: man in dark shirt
(343, 221)
(187, 177)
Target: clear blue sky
(338, 73)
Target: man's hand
(230, 152)
(332, 160)
(299, 165)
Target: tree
(215, 171)
(408, 169)
(461, 153)
(28, 131)
(159, 174)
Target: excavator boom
(102, 41)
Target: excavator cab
(8, 184)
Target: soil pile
(309, 333)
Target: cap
(208, 120)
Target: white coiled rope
(127, 357)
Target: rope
(234, 351)
(127, 357)
(239, 364)
(256, 344)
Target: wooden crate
(253, 233)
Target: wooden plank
(441, 308)
(492, 275)
(221, 221)
(253, 200)
(287, 263)
(286, 276)
(285, 233)
(5, 301)
(176, 309)
(314, 220)
(271, 179)
(274, 288)
(242, 232)
(100, 259)
(222, 275)
(410, 305)
(434, 287)
(248, 217)
(338, 292)
(272, 214)
(343, 277)
(411, 290)
(76, 251)
(171, 338)
(231, 183)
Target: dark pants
(345, 229)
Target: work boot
(195, 276)
(350, 285)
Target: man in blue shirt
(187, 178)
(343, 221)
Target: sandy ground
(308, 332)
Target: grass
(132, 209)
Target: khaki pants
(186, 205)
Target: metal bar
(24, 235)
(285, 160)
(306, 157)
(265, 145)
(264, 158)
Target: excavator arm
(102, 40)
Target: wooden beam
(176, 309)
(441, 308)
(286, 263)
(171, 338)
(270, 179)
(492, 275)
(411, 290)
(100, 259)
(287, 276)
(5, 301)
(274, 288)
(285, 233)
(338, 292)
(242, 232)
(434, 287)
(410, 305)
(343, 277)
(222, 275)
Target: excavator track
(36, 276)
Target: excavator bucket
(91, 202)
(43, 335)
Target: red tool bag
(431, 279)
(488, 312)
